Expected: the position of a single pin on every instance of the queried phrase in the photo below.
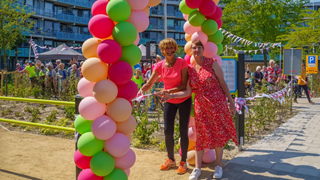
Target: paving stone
(315, 159)
(263, 164)
(296, 148)
(307, 171)
(284, 167)
(241, 160)
(310, 145)
(313, 150)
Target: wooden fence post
(78, 99)
(16, 81)
(2, 75)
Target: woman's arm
(150, 82)
(184, 82)
(180, 94)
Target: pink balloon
(101, 26)
(139, 19)
(216, 15)
(120, 72)
(91, 109)
(136, 42)
(126, 161)
(218, 58)
(209, 156)
(82, 161)
(186, 17)
(193, 4)
(109, 51)
(127, 172)
(206, 150)
(219, 22)
(210, 50)
(128, 91)
(192, 133)
(85, 87)
(189, 29)
(118, 145)
(207, 8)
(99, 7)
(103, 127)
(138, 4)
(87, 174)
(180, 152)
(201, 36)
(187, 58)
(191, 122)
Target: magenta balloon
(87, 174)
(219, 22)
(210, 50)
(189, 29)
(201, 36)
(91, 109)
(216, 15)
(109, 51)
(207, 8)
(192, 133)
(136, 42)
(191, 122)
(127, 172)
(193, 4)
(180, 152)
(218, 58)
(187, 58)
(139, 19)
(120, 72)
(138, 4)
(128, 91)
(101, 26)
(103, 127)
(118, 145)
(85, 87)
(81, 161)
(126, 161)
(99, 7)
(209, 156)
(186, 16)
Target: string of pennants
(245, 51)
(277, 96)
(34, 48)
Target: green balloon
(116, 174)
(216, 38)
(196, 19)
(102, 164)
(89, 145)
(192, 106)
(220, 48)
(124, 33)
(118, 10)
(82, 125)
(184, 8)
(209, 27)
(131, 54)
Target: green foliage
(28, 109)
(52, 117)
(35, 116)
(69, 111)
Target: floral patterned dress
(214, 125)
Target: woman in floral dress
(213, 117)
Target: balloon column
(105, 121)
(203, 21)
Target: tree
(306, 34)
(13, 21)
(261, 21)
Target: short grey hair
(258, 67)
(58, 60)
(271, 61)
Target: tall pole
(313, 26)
(165, 19)
(280, 57)
(30, 47)
(240, 125)
(291, 79)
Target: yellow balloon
(89, 47)
(191, 145)
(187, 37)
(154, 2)
(216, 1)
(187, 48)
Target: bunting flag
(141, 97)
(33, 45)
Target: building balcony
(145, 40)
(156, 27)
(59, 35)
(154, 12)
(72, 18)
(81, 3)
(178, 28)
(178, 14)
(181, 42)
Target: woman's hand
(166, 97)
(232, 108)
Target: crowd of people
(50, 76)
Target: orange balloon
(89, 47)
(191, 145)
(187, 37)
(128, 136)
(216, 1)
(119, 110)
(154, 2)
(94, 70)
(105, 91)
(127, 126)
(146, 10)
(191, 157)
(187, 48)
(192, 60)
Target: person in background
(51, 80)
(272, 75)
(81, 63)
(19, 68)
(42, 77)
(38, 65)
(32, 72)
(58, 62)
(74, 71)
(62, 75)
(248, 70)
(148, 73)
(137, 78)
(264, 70)
(302, 83)
(26, 64)
(258, 76)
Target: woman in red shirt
(174, 73)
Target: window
(170, 10)
(48, 26)
(153, 35)
(76, 29)
(48, 43)
(29, 2)
(56, 27)
(57, 43)
(61, 10)
(48, 7)
(75, 12)
(86, 14)
(170, 24)
(170, 35)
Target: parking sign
(312, 64)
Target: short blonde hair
(258, 67)
(168, 42)
(158, 56)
